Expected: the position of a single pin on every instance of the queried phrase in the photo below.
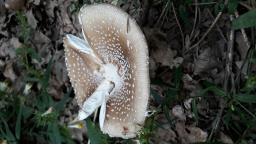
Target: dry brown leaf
(31, 19)
(189, 83)
(190, 134)
(225, 139)
(242, 46)
(15, 42)
(165, 135)
(14, 4)
(35, 2)
(178, 112)
(205, 62)
(43, 45)
(6, 48)
(2, 8)
(50, 6)
(9, 72)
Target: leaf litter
(49, 20)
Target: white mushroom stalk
(108, 68)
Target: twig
(247, 53)
(195, 20)
(208, 30)
(178, 23)
(246, 5)
(228, 77)
(145, 10)
(229, 57)
(244, 33)
(204, 3)
(218, 28)
(162, 13)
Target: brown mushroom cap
(115, 39)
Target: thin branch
(195, 20)
(247, 53)
(245, 5)
(162, 13)
(244, 33)
(228, 77)
(218, 28)
(178, 23)
(208, 30)
(204, 3)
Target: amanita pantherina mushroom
(109, 69)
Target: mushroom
(108, 68)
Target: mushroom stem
(97, 99)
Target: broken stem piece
(95, 100)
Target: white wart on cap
(114, 57)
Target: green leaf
(245, 21)
(59, 106)
(194, 109)
(158, 99)
(18, 123)
(94, 133)
(232, 5)
(8, 134)
(213, 88)
(47, 74)
(183, 13)
(54, 133)
(247, 98)
(177, 77)
(27, 112)
(219, 7)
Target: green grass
(22, 118)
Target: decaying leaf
(178, 112)
(31, 19)
(9, 72)
(205, 62)
(190, 134)
(14, 4)
(225, 139)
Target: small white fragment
(95, 100)
(178, 112)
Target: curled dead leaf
(225, 139)
(190, 134)
(9, 72)
(14, 4)
(178, 112)
(205, 62)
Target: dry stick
(206, 33)
(244, 33)
(162, 13)
(246, 5)
(178, 23)
(228, 77)
(195, 20)
(248, 46)
(208, 30)
(218, 28)
(204, 3)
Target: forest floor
(202, 71)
